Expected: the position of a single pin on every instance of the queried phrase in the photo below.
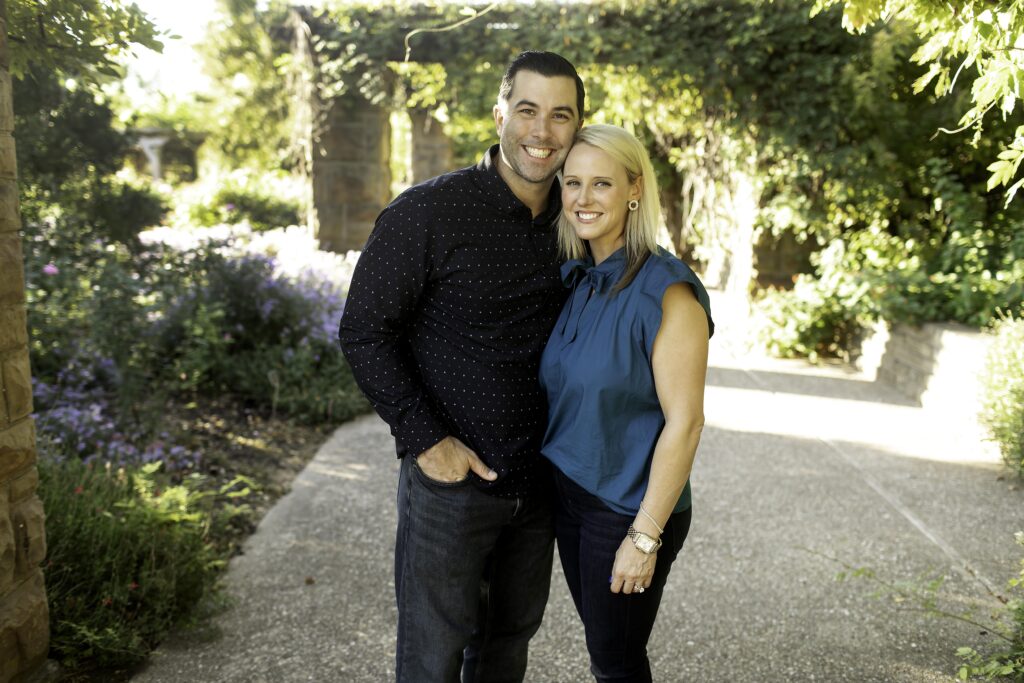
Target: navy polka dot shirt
(451, 303)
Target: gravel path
(798, 464)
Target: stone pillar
(151, 146)
(351, 172)
(431, 147)
(24, 616)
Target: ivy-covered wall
(768, 126)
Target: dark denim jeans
(617, 625)
(472, 573)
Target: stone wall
(351, 172)
(431, 147)
(937, 365)
(24, 618)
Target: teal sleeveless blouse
(603, 410)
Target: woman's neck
(601, 249)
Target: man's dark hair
(546, 64)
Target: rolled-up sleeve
(383, 299)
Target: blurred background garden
(188, 227)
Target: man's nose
(542, 127)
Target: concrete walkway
(797, 464)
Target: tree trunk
(24, 616)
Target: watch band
(644, 543)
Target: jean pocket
(430, 481)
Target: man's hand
(450, 460)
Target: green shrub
(128, 558)
(120, 210)
(311, 382)
(262, 336)
(820, 316)
(265, 201)
(1002, 405)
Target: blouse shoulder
(662, 270)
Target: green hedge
(1002, 411)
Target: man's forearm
(392, 389)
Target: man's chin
(539, 177)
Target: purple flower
(229, 207)
(50, 269)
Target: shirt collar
(601, 277)
(500, 195)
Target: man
(450, 305)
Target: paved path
(796, 464)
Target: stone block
(6, 103)
(24, 628)
(29, 523)
(17, 386)
(4, 421)
(17, 448)
(12, 273)
(10, 220)
(8, 160)
(21, 435)
(355, 130)
(344, 228)
(336, 183)
(8, 545)
(13, 328)
(24, 485)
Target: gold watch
(644, 543)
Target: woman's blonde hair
(642, 224)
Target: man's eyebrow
(563, 107)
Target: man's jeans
(472, 573)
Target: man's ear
(499, 118)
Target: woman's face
(595, 194)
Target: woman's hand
(632, 569)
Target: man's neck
(534, 195)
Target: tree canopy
(977, 44)
(80, 39)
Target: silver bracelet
(648, 516)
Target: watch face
(646, 544)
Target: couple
(472, 287)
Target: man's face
(537, 124)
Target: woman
(624, 374)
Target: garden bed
(120, 604)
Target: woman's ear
(637, 188)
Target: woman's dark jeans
(617, 625)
